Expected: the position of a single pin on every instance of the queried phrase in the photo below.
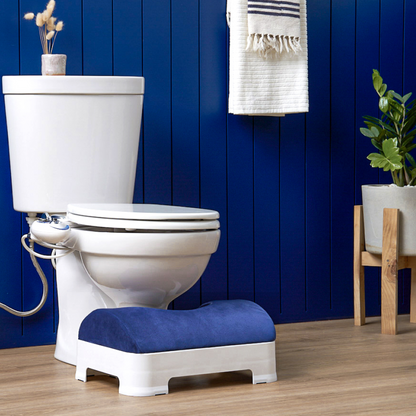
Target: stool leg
(359, 286)
(263, 370)
(133, 383)
(389, 268)
(413, 295)
(81, 373)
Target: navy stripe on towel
(288, 9)
(288, 3)
(273, 14)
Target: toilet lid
(143, 217)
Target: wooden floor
(324, 368)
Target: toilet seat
(134, 217)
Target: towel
(273, 26)
(274, 85)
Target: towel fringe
(265, 44)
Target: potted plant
(392, 135)
(48, 30)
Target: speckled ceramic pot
(53, 64)
(378, 197)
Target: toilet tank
(72, 139)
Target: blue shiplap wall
(285, 188)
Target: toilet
(73, 144)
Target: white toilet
(73, 145)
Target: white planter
(378, 197)
(53, 64)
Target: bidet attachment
(51, 230)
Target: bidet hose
(44, 293)
(42, 243)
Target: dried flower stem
(47, 28)
(53, 41)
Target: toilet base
(149, 374)
(77, 297)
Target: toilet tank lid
(79, 85)
(145, 212)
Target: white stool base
(149, 374)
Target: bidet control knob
(51, 232)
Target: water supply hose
(44, 293)
(33, 255)
(54, 247)
(61, 231)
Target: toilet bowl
(81, 165)
(143, 255)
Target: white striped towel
(273, 26)
(273, 86)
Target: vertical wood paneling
(240, 208)
(391, 51)
(391, 43)
(292, 218)
(185, 118)
(97, 39)
(127, 38)
(342, 149)
(367, 59)
(30, 47)
(69, 41)
(128, 59)
(266, 215)
(157, 146)
(318, 169)
(409, 48)
(213, 136)
(285, 188)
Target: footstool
(146, 347)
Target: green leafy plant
(393, 134)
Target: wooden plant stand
(390, 263)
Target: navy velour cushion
(146, 330)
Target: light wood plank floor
(324, 368)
